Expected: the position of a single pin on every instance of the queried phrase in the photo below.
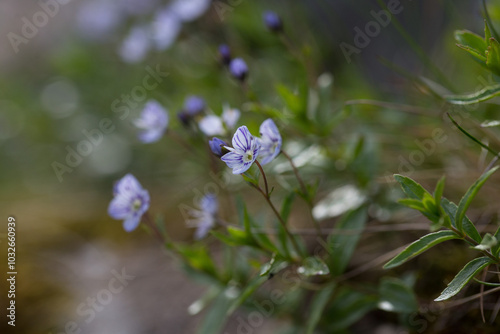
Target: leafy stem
(475, 243)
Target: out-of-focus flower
(211, 125)
(130, 202)
(270, 141)
(272, 21)
(216, 145)
(205, 218)
(238, 68)
(97, 19)
(244, 151)
(189, 10)
(136, 45)
(194, 105)
(225, 54)
(166, 27)
(230, 116)
(153, 122)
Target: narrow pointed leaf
(463, 277)
(318, 304)
(471, 40)
(469, 196)
(450, 209)
(411, 188)
(420, 246)
(479, 96)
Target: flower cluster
(247, 148)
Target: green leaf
(438, 192)
(274, 266)
(488, 242)
(450, 209)
(313, 266)
(286, 208)
(471, 40)
(493, 56)
(252, 286)
(463, 277)
(317, 306)
(396, 296)
(215, 320)
(420, 246)
(413, 204)
(484, 94)
(348, 307)
(496, 249)
(294, 102)
(341, 247)
(411, 188)
(478, 56)
(469, 196)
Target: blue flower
(270, 141)
(130, 202)
(216, 145)
(153, 122)
(194, 105)
(165, 28)
(244, 151)
(272, 21)
(205, 218)
(225, 54)
(136, 45)
(238, 68)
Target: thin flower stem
(149, 222)
(263, 176)
(304, 192)
(268, 199)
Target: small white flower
(166, 27)
(270, 141)
(230, 116)
(136, 45)
(211, 125)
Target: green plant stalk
(473, 242)
(268, 199)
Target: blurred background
(63, 72)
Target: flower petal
(121, 206)
(211, 125)
(126, 184)
(233, 160)
(131, 223)
(242, 139)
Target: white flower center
(136, 204)
(248, 156)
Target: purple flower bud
(216, 145)
(194, 105)
(225, 54)
(238, 69)
(272, 21)
(184, 118)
